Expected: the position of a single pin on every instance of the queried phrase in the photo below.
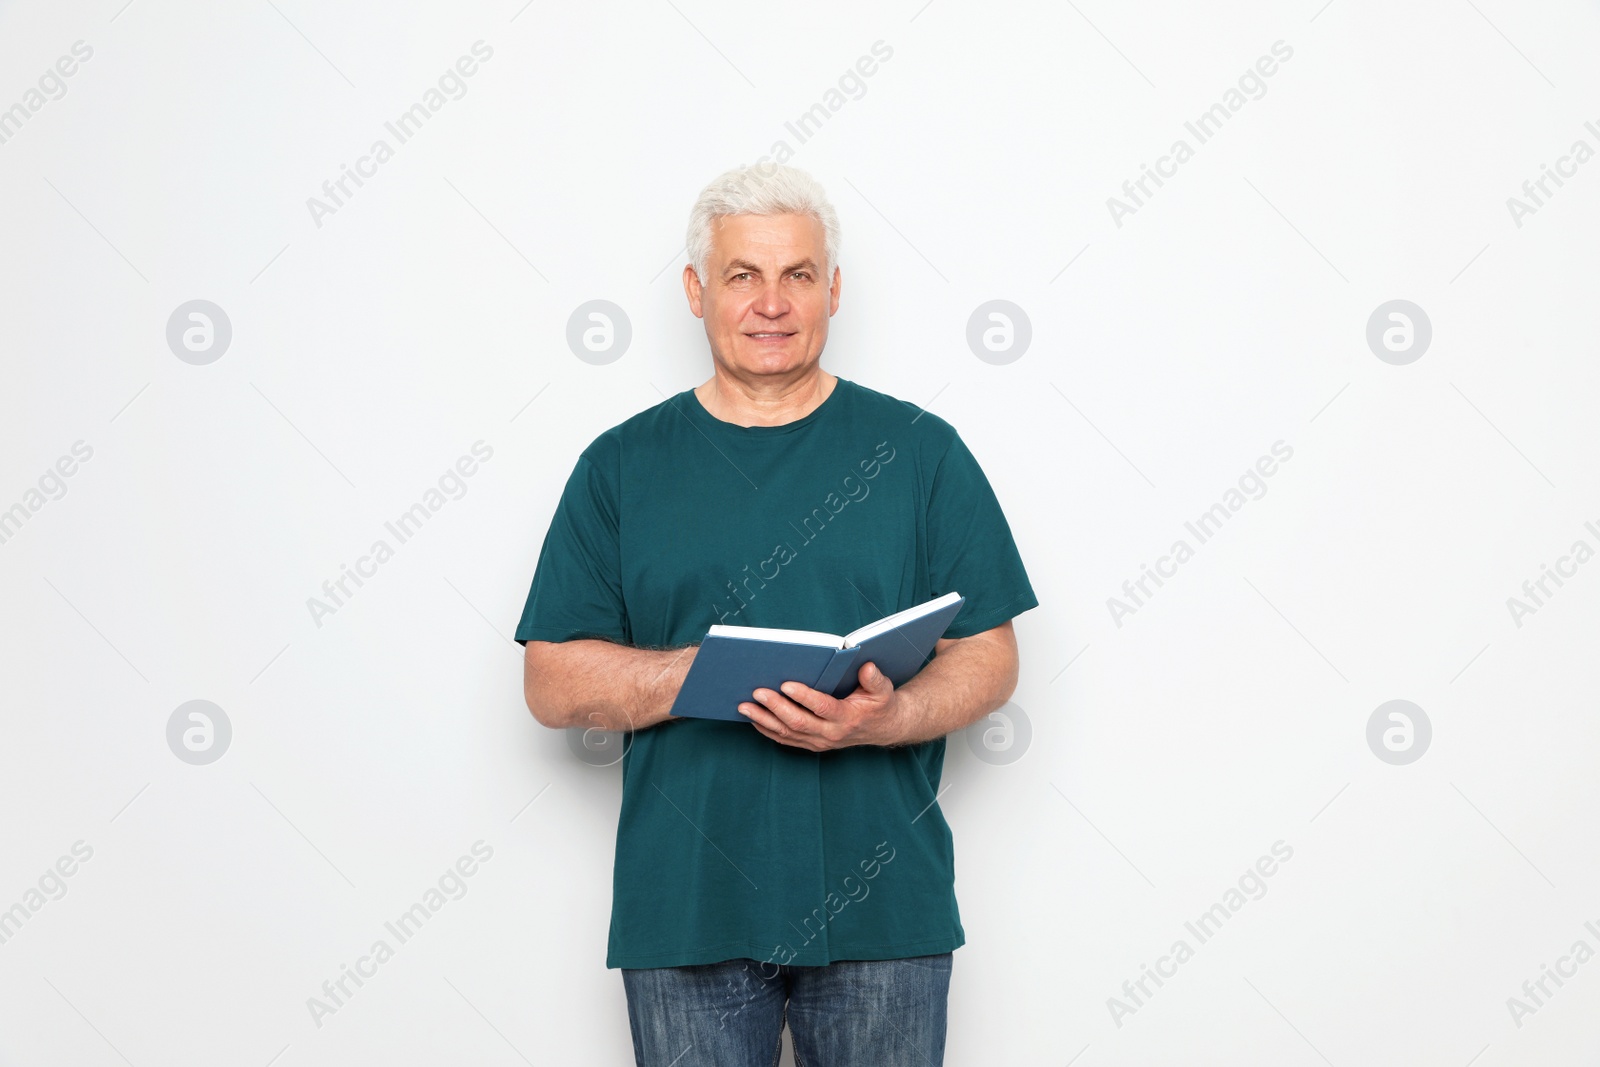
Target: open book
(734, 661)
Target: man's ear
(833, 292)
(692, 289)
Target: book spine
(839, 674)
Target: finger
(815, 701)
(874, 681)
(789, 741)
(797, 718)
(764, 720)
(773, 730)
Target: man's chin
(773, 361)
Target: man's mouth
(770, 336)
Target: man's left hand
(807, 718)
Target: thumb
(873, 680)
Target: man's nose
(773, 301)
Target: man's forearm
(967, 680)
(599, 684)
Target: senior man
(796, 867)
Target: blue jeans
(851, 1013)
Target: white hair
(761, 189)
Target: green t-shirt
(730, 844)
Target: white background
(1169, 353)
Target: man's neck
(765, 403)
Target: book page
(792, 637)
(883, 625)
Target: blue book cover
(734, 661)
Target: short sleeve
(970, 547)
(577, 585)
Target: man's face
(764, 301)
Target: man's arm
(598, 684)
(967, 679)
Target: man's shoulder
(913, 423)
(645, 428)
